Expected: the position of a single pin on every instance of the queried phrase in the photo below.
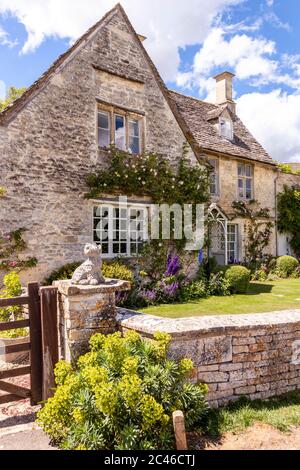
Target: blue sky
(258, 40)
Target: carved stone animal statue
(90, 273)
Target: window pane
(103, 129)
(241, 169)
(104, 138)
(105, 248)
(248, 170)
(226, 128)
(134, 145)
(120, 140)
(103, 120)
(134, 128)
(232, 249)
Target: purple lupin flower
(173, 265)
(170, 290)
(149, 295)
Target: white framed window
(214, 178)
(226, 128)
(121, 231)
(124, 130)
(232, 243)
(245, 181)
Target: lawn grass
(261, 297)
(280, 412)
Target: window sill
(109, 151)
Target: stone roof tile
(198, 116)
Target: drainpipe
(276, 210)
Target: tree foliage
(13, 94)
(289, 215)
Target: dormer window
(226, 128)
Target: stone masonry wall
(264, 192)
(50, 146)
(242, 355)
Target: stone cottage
(106, 90)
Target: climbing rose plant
(151, 175)
(259, 229)
(11, 244)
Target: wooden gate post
(49, 338)
(179, 429)
(36, 369)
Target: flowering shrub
(121, 396)
(113, 270)
(151, 174)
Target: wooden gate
(42, 345)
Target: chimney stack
(224, 90)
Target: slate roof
(200, 117)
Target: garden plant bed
(262, 297)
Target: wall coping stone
(206, 325)
(110, 287)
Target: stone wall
(50, 146)
(253, 355)
(263, 191)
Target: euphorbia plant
(121, 395)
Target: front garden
(267, 296)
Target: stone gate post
(85, 310)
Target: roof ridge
(195, 99)
(22, 100)
(19, 104)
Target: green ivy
(10, 245)
(289, 215)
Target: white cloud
(254, 59)
(274, 119)
(248, 57)
(4, 39)
(168, 24)
(2, 90)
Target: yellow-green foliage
(117, 271)
(239, 278)
(13, 94)
(286, 265)
(12, 288)
(2, 192)
(121, 396)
